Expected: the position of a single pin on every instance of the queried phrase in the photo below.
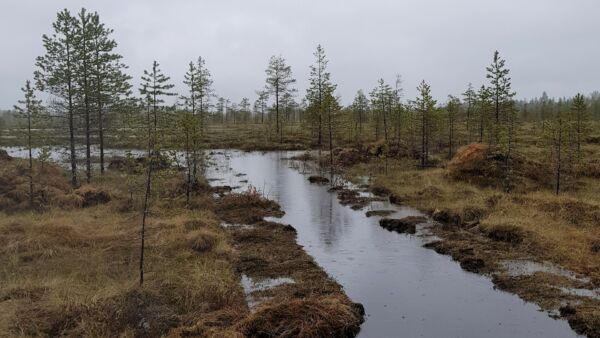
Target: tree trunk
(188, 186)
(385, 133)
(450, 136)
(423, 145)
(481, 118)
(330, 142)
(30, 158)
(558, 159)
(507, 160)
(71, 118)
(468, 120)
(277, 108)
(86, 102)
(360, 122)
(144, 216)
(151, 155)
(88, 160)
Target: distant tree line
(91, 97)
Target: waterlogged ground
(406, 289)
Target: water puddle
(236, 225)
(516, 268)
(252, 287)
(593, 293)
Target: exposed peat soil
(287, 293)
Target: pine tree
(244, 107)
(424, 106)
(381, 102)
(261, 104)
(509, 140)
(220, 110)
(332, 107)
(452, 111)
(30, 110)
(580, 120)
(556, 132)
(287, 104)
(198, 82)
(503, 130)
(501, 94)
(319, 84)
(83, 58)
(57, 74)
(396, 109)
(154, 87)
(204, 91)
(545, 102)
(470, 99)
(187, 129)
(360, 106)
(484, 106)
(187, 124)
(279, 80)
(110, 84)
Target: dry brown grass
(508, 233)
(74, 271)
(303, 318)
(482, 165)
(246, 207)
(561, 227)
(313, 306)
(531, 222)
(50, 187)
(92, 195)
(202, 240)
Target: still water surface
(407, 290)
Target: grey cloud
(549, 45)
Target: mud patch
(508, 233)
(288, 293)
(381, 213)
(355, 199)
(403, 225)
(93, 196)
(318, 179)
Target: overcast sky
(551, 45)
